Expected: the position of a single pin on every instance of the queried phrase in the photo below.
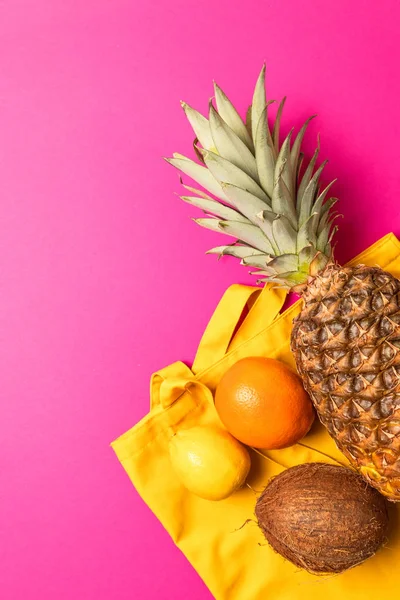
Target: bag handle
(222, 334)
(264, 304)
(167, 384)
(266, 308)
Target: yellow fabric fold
(234, 562)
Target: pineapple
(346, 339)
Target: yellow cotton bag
(235, 562)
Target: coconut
(323, 518)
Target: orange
(263, 403)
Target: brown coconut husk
(323, 518)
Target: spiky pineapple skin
(346, 342)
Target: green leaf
(306, 204)
(306, 255)
(307, 233)
(284, 263)
(265, 154)
(283, 167)
(198, 150)
(246, 203)
(323, 238)
(215, 208)
(196, 191)
(284, 235)
(270, 279)
(249, 205)
(327, 220)
(265, 271)
(259, 102)
(295, 152)
(299, 165)
(327, 207)
(250, 234)
(318, 206)
(282, 203)
(226, 172)
(230, 115)
(248, 120)
(328, 249)
(200, 174)
(326, 232)
(289, 279)
(277, 125)
(230, 146)
(212, 224)
(265, 220)
(319, 263)
(236, 251)
(332, 234)
(307, 174)
(259, 261)
(199, 125)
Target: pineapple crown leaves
(259, 190)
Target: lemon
(209, 461)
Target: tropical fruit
(346, 340)
(263, 403)
(323, 518)
(209, 461)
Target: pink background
(103, 276)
